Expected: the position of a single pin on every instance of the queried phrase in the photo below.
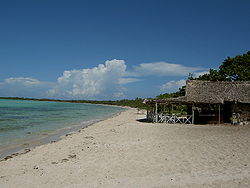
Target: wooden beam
(156, 112)
(192, 113)
(219, 113)
(147, 113)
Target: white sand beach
(124, 152)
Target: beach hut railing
(171, 119)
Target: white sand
(123, 152)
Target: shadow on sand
(144, 120)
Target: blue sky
(115, 49)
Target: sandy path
(123, 152)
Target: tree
(232, 69)
(237, 68)
(212, 75)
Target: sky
(115, 49)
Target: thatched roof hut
(231, 96)
(211, 92)
(217, 92)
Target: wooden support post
(219, 113)
(156, 112)
(192, 113)
(147, 114)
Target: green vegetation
(232, 69)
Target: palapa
(211, 92)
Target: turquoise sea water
(22, 120)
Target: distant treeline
(134, 103)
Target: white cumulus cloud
(24, 87)
(173, 85)
(103, 81)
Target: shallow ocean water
(22, 120)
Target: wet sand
(124, 152)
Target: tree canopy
(232, 69)
(237, 68)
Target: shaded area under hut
(205, 102)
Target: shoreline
(12, 150)
(123, 151)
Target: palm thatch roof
(217, 92)
(211, 92)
